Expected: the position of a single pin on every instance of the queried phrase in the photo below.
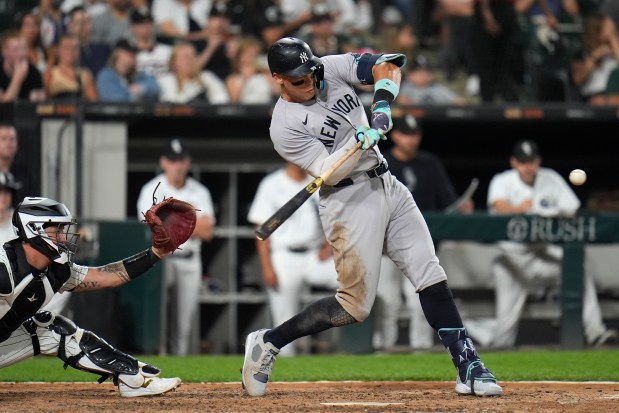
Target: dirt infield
(313, 397)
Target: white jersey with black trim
(302, 131)
(21, 296)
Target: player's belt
(372, 173)
(298, 250)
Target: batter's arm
(325, 161)
(388, 71)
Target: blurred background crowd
(213, 51)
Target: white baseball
(578, 177)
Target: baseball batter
(364, 209)
(183, 269)
(35, 267)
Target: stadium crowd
(213, 51)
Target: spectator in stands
(599, 58)
(30, 29)
(187, 83)
(297, 254)
(251, 82)
(549, 51)
(183, 269)
(419, 86)
(425, 176)
(271, 24)
(153, 57)
(181, 19)
(113, 24)
(19, 79)
(322, 38)
(212, 54)
(93, 56)
(494, 38)
(121, 82)
(528, 188)
(52, 25)
(66, 80)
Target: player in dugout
(364, 210)
(34, 267)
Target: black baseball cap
(7, 181)
(175, 150)
(406, 124)
(138, 16)
(420, 62)
(124, 44)
(526, 151)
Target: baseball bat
(282, 214)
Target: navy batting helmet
(292, 57)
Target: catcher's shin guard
(84, 350)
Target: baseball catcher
(37, 264)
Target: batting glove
(368, 136)
(381, 117)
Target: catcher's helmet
(33, 215)
(294, 58)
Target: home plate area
(314, 397)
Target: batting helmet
(33, 215)
(292, 57)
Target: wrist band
(385, 89)
(139, 263)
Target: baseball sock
(439, 307)
(318, 316)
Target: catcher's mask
(47, 226)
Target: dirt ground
(313, 397)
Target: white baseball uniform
(293, 247)
(523, 266)
(182, 269)
(367, 217)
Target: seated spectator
(181, 19)
(121, 82)
(66, 79)
(187, 83)
(25, 183)
(30, 29)
(52, 25)
(212, 52)
(19, 79)
(93, 56)
(599, 58)
(113, 24)
(153, 57)
(420, 88)
(270, 22)
(251, 82)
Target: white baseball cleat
(258, 363)
(151, 387)
(478, 381)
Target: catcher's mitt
(171, 223)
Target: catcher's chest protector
(22, 293)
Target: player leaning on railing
(36, 265)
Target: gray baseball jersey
(369, 216)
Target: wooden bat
(464, 197)
(282, 214)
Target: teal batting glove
(381, 117)
(369, 137)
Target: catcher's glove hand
(171, 223)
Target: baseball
(578, 177)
